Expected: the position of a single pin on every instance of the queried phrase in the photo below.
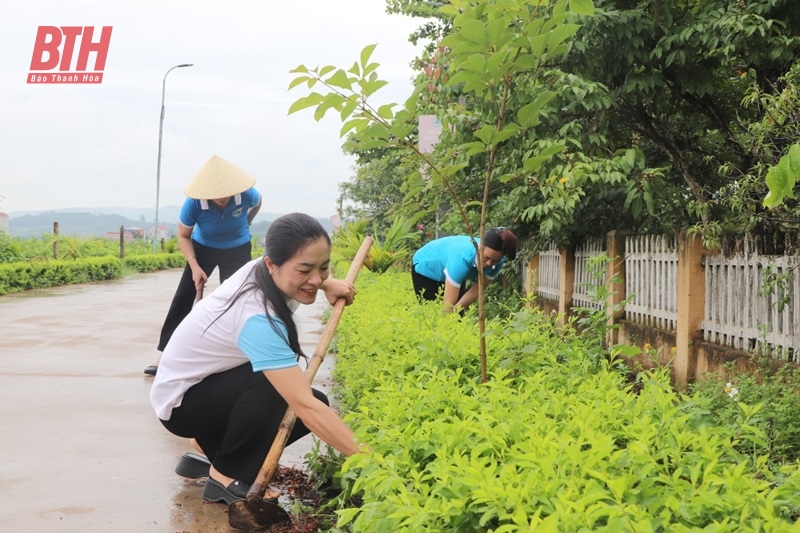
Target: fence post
(617, 291)
(566, 282)
(122, 242)
(532, 276)
(690, 308)
(55, 241)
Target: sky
(96, 145)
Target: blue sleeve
(255, 197)
(457, 268)
(460, 261)
(189, 212)
(264, 346)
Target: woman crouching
(231, 368)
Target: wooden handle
(270, 466)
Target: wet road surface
(81, 449)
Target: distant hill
(75, 224)
(98, 221)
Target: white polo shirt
(209, 341)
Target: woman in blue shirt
(449, 262)
(213, 231)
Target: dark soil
(302, 488)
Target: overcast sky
(97, 145)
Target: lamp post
(160, 134)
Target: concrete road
(80, 447)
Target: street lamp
(160, 133)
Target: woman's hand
(338, 288)
(198, 276)
(185, 244)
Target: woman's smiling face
(300, 277)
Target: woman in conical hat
(213, 232)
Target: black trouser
(228, 261)
(234, 416)
(429, 289)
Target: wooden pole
(55, 241)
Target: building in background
(163, 232)
(4, 223)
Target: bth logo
(48, 54)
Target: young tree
(500, 54)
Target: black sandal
(193, 466)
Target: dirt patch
(302, 488)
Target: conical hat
(218, 179)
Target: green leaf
(366, 53)
(331, 100)
(371, 87)
(559, 35)
(532, 164)
(346, 516)
(528, 115)
(340, 79)
(305, 102)
(582, 7)
(355, 70)
(411, 101)
(298, 81)
(475, 63)
(348, 108)
(385, 111)
(506, 133)
(539, 44)
(485, 134)
(473, 148)
(782, 177)
(463, 76)
(356, 124)
(475, 31)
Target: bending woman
(231, 367)
(213, 232)
(449, 262)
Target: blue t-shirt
(217, 335)
(222, 229)
(266, 348)
(453, 259)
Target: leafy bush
(556, 440)
(394, 246)
(151, 263)
(22, 276)
(26, 275)
(774, 390)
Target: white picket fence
(741, 314)
(549, 267)
(588, 275)
(651, 280)
(737, 314)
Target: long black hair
(502, 240)
(287, 236)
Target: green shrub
(153, 262)
(556, 440)
(774, 389)
(23, 276)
